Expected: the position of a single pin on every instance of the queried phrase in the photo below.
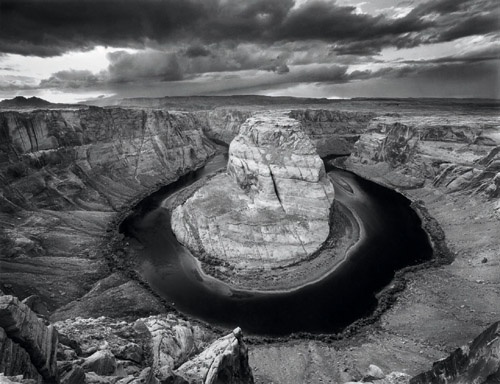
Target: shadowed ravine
(390, 238)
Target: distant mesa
(21, 102)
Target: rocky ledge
(272, 206)
(162, 348)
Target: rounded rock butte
(272, 206)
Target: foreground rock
(27, 345)
(161, 348)
(225, 361)
(270, 209)
(476, 363)
(104, 350)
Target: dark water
(392, 236)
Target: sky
(75, 50)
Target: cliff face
(333, 132)
(412, 152)
(222, 125)
(270, 209)
(63, 176)
(94, 159)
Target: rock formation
(104, 350)
(28, 346)
(161, 348)
(272, 206)
(476, 363)
(458, 156)
(222, 125)
(225, 361)
(65, 174)
(333, 132)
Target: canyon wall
(333, 132)
(410, 152)
(65, 174)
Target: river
(391, 238)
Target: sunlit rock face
(271, 208)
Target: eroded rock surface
(162, 348)
(333, 132)
(28, 346)
(408, 152)
(476, 363)
(224, 361)
(272, 206)
(63, 176)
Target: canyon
(70, 175)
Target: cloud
(454, 19)
(477, 25)
(197, 51)
(48, 28)
(14, 82)
(212, 46)
(71, 79)
(126, 67)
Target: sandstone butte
(272, 206)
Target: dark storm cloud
(321, 20)
(441, 7)
(197, 51)
(453, 19)
(477, 25)
(48, 28)
(126, 67)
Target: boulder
(101, 362)
(374, 373)
(74, 375)
(131, 351)
(173, 341)
(224, 361)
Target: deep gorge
(68, 177)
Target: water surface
(391, 239)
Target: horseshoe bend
(230, 217)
